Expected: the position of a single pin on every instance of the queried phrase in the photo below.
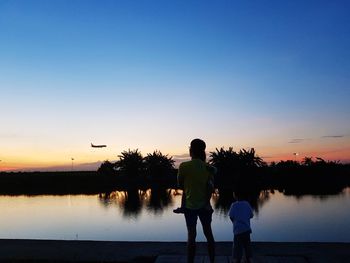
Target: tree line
(243, 168)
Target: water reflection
(222, 200)
(146, 214)
(132, 201)
(159, 199)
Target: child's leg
(237, 249)
(248, 248)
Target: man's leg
(191, 243)
(191, 223)
(205, 218)
(210, 241)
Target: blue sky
(155, 74)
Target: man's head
(197, 149)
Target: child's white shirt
(241, 213)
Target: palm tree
(234, 168)
(157, 165)
(307, 161)
(248, 159)
(130, 163)
(288, 164)
(227, 162)
(223, 159)
(106, 168)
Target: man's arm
(180, 177)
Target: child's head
(241, 193)
(242, 188)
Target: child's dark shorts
(204, 214)
(242, 242)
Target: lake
(147, 216)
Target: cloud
(184, 156)
(11, 136)
(8, 135)
(266, 157)
(296, 140)
(93, 166)
(181, 158)
(333, 136)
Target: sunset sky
(273, 75)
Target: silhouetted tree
(130, 163)
(307, 161)
(158, 166)
(233, 166)
(106, 168)
(288, 164)
(224, 160)
(247, 158)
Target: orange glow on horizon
(51, 157)
(79, 162)
(342, 155)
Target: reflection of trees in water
(160, 198)
(129, 201)
(112, 198)
(222, 200)
(263, 197)
(104, 199)
(132, 201)
(321, 197)
(157, 199)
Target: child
(210, 189)
(240, 214)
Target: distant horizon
(93, 166)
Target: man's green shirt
(193, 176)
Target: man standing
(194, 177)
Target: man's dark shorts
(242, 242)
(204, 214)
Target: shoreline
(23, 250)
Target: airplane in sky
(98, 146)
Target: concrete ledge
(113, 251)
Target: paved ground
(171, 252)
(227, 259)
